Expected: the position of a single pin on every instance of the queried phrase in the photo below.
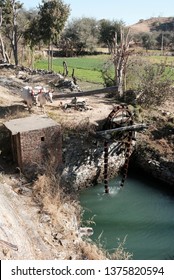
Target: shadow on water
(150, 181)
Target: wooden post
(108, 133)
(65, 69)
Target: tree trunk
(15, 46)
(32, 59)
(120, 53)
(14, 41)
(120, 78)
(5, 57)
(49, 57)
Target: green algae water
(142, 211)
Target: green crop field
(87, 68)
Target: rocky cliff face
(154, 163)
(84, 160)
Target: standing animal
(36, 96)
(49, 95)
(27, 96)
(42, 96)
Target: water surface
(142, 211)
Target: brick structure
(36, 142)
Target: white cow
(27, 96)
(42, 96)
(37, 95)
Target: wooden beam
(85, 93)
(135, 127)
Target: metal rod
(106, 167)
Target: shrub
(108, 74)
(155, 86)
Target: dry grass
(53, 200)
(65, 216)
(120, 252)
(92, 251)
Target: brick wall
(40, 148)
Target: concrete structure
(36, 142)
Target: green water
(142, 211)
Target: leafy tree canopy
(108, 29)
(52, 18)
(83, 33)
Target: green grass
(87, 68)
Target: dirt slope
(19, 226)
(149, 24)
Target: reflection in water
(142, 211)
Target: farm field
(89, 68)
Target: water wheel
(119, 117)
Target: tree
(107, 31)
(119, 56)
(82, 34)
(31, 33)
(10, 10)
(148, 40)
(52, 18)
(32, 37)
(5, 57)
(164, 40)
(47, 25)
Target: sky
(130, 11)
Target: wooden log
(107, 133)
(85, 93)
